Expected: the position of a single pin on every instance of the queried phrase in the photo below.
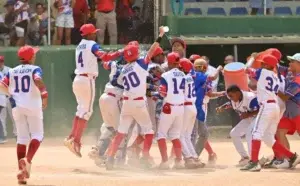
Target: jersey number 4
(80, 60)
(271, 86)
(24, 81)
(181, 86)
(131, 80)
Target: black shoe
(269, 165)
(294, 161)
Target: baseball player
(87, 53)
(289, 123)
(133, 78)
(24, 83)
(171, 119)
(190, 113)
(194, 57)
(268, 117)
(201, 66)
(246, 105)
(110, 107)
(3, 101)
(179, 46)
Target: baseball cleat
(94, 153)
(199, 163)
(100, 161)
(263, 161)
(294, 161)
(189, 163)
(244, 161)
(77, 148)
(164, 166)
(212, 158)
(282, 164)
(109, 164)
(146, 163)
(252, 167)
(25, 167)
(68, 142)
(21, 178)
(178, 165)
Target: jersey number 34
(271, 87)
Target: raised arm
(216, 74)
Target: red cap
(27, 52)
(186, 65)
(193, 57)
(269, 60)
(157, 51)
(173, 57)
(131, 53)
(274, 52)
(177, 39)
(1, 58)
(134, 43)
(87, 29)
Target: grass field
(54, 165)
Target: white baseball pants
(110, 110)
(244, 127)
(84, 90)
(152, 112)
(188, 149)
(29, 123)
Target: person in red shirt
(106, 17)
(80, 14)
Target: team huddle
(148, 99)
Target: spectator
(136, 24)
(228, 59)
(106, 18)
(7, 30)
(255, 5)
(42, 17)
(80, 14)
(33, 31)
(64, 20)
(21, 11)
(148, 18)
(125, 20)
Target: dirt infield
(54, 165)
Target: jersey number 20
(24, 81)
(131, 80)
(271, 86)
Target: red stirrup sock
(21, 152)
(33, 147)
(162, 145)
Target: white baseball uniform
(269, 113)
(190, 113)
(133, 78)
(247, 104)
(170, 124)
(27, 112)
(86, 72)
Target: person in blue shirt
(203, 87)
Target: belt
(87, 75)
(138, 98)
(111, 94)
(270, 101)
(175, 104)
(106, 12)
(154, 98)
(188, 103)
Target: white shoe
(264, 160)
(178, 165)
(244, 161)
(164, 166)
(212, 159)
(25, 167)
(94, 153)
(2, 141)
(284, 164)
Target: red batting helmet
(173, 57)
(274, 52)
(131, 53)
(157, 51)
(27, 52)
(269, 60)
(186, 65)
(193, 57)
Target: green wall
(232, 26)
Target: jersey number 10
(25, 83)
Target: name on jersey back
(22, 71)
(81, 47)
(127, 69)
(178, 74)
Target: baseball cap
(1, 58)
(27, 52)
(295, 57)
(87, 29)
(157, 51)
(193, 57)
(173, 57)
(269, 60)
(186, 64)
(131, 53)
(9, 2)
(179, 40)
